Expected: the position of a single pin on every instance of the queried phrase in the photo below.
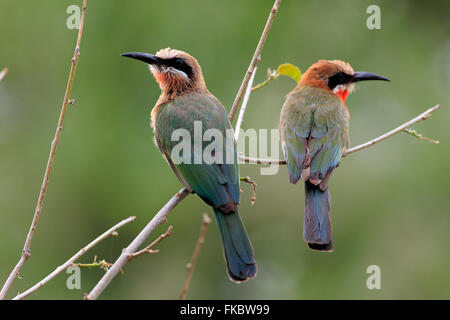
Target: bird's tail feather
(238, 251)
(317, 225)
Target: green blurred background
(390, 202)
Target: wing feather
(216, 184)
(314, 133)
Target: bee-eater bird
(314, 124)
(183, 100)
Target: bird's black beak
(145, 57)
(361, 76)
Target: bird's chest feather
(190, 114)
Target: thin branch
(253, 160)
(254, 185)
(133, 247)
(423, 116)
(111, 232)
(271, 75)
(254, 61)
(26, 252)
(244, 106)
(191, 265)
(149, 248)
(102, 264)
(418, 135)
(178, 197)
(3, 73)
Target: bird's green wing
(199, 116)
(295, 127)
(329, 138)
(314, 132)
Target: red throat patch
(342, 94)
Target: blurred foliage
(390, 203)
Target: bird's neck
(316, 81)
(342, 94)
(173, 85)
(171, 93)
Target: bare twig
(191, 265)
(111, 232)
(418, 135)
(26, 252)
(423, 116)
(149, 248)
(133, 247)
(253, 183)
(177, 198)
(253, 160)
(244, 106)
(3, 73)
(102, 264)
(254, 61)
(271, 75)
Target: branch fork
(149, 248)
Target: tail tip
(325, 247)
(244, 274)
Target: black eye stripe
(337, 79)
(179, 64)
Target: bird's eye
(181, 65)
(337, 79)
(178, 63)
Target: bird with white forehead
(184, 101)
(314, 124)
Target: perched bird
(184, 100)
(314, 124)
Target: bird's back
(314, 130)
(215, 183)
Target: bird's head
(336, 76)
(174, 70)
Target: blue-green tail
(238, 251)
(317, 225)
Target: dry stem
(255, 60)
(3, 73)
(248, 91)
(26, 252)
(111, 232)
(133, 247)
(191, 265)
(149, 248)
(254, 185)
